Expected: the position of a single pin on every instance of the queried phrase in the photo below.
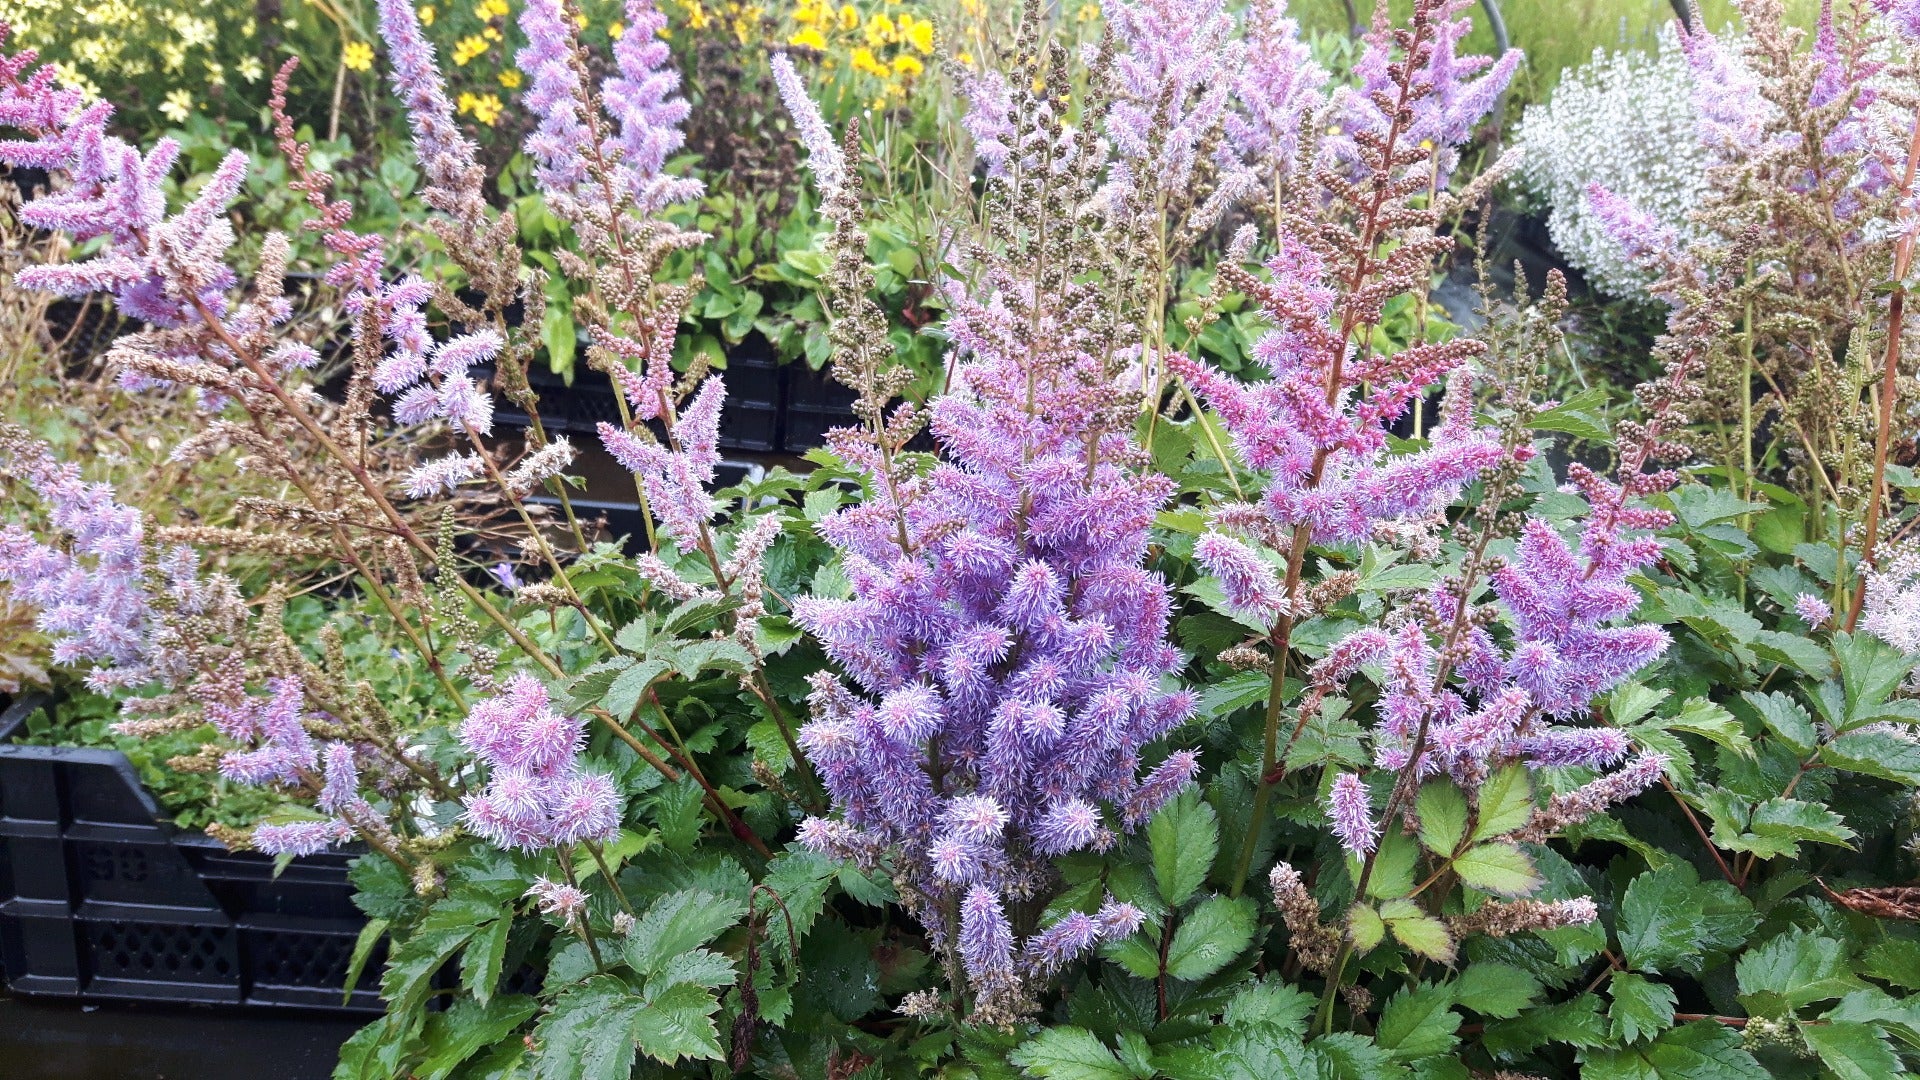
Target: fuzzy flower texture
(537, 795)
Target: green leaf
(1875, 753)
(1852, 1051)
(480, 964)
(1442, 810)
(1419, 1023)
(1794, 651)
(676, 924)
(1495, 989)
(678, 1022)
(1669, 918)
(1207, 940)
(623, 696)
(1365, 928)
(370, 935)
(1641, 1007)
(1273, 1004)
(1393, 866)
(1712, 722)
(1184, 837)
(1417, 930)
(1069, 1053)
(1506, 802)
(698, 968)
(1499, 868)
(1787, 821)
(1793, 969)
(1705, 1050)
(586, 1035)
(1784, 717)
(1871, 670)
(467, 1027)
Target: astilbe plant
(1470, 692)
(1810, 149)
(1005, 646)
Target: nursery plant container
(102, 899)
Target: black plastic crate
(816, 404)
(101, 898)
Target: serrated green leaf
(1069, 1053)
(1794, 651)
(1793, 969)
(1699, 1051)
(630, 687)
(1442, 810)
(1417, 930)
(678, 1022)
(1712, 722)
(675, 924)
(1207, 940)
(1641, 1008)
(1506, 802)
(480, 963)
(1669, 918)
(468, 1026)
(1272, 1004)
(1498, 868)
(1852, 1051)
(585, 1035)
(1875, 753)
(1393, 866)
(1495, 989)
(1785, 718)
(699, 968)
(1183, 838)
(1418, 1023)
(1365, 928)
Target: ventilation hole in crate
(114, 864)
(153, 950)
(293, 959)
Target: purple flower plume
(537, 795)
(1351, 813)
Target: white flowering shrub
(1624, 120)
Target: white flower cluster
(1625, 121)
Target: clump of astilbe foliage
(1227, 734)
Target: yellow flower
(908, 66)
(879, 30)
(806, 16)
(250, 69)
(178, 106)
(918, 32)
(1088, 12)
(357, 56)
(849, 17)
(490, 33)
(864, 60)
(510, 79)
(426, 14)
(617, 30)
(964, 57)
(487, 109)
(808, 37)
(467, 48)
(580, 21)
(490, 8)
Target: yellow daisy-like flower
(806, 16)
(357, 56)
(492, 34)
(880, 30)
(487, 109)
(919, 33)
(964, 57)
(849, 17)
(808, 37)
(427, 14)
(467, 48)
(864, 60)
(616, 30)
(491, 8)
(908, 66)
(250, 69)
(510, 79)
(178, 106)
(1088, 12)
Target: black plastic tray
(101, 898)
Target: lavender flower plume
(1173, 83)
(1279, 85)
(677, 474)
(1813, 610)
(829, 165)
(647, 114)
(445, 154)
(1351, 813)
(562, 142)
(537, 795)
